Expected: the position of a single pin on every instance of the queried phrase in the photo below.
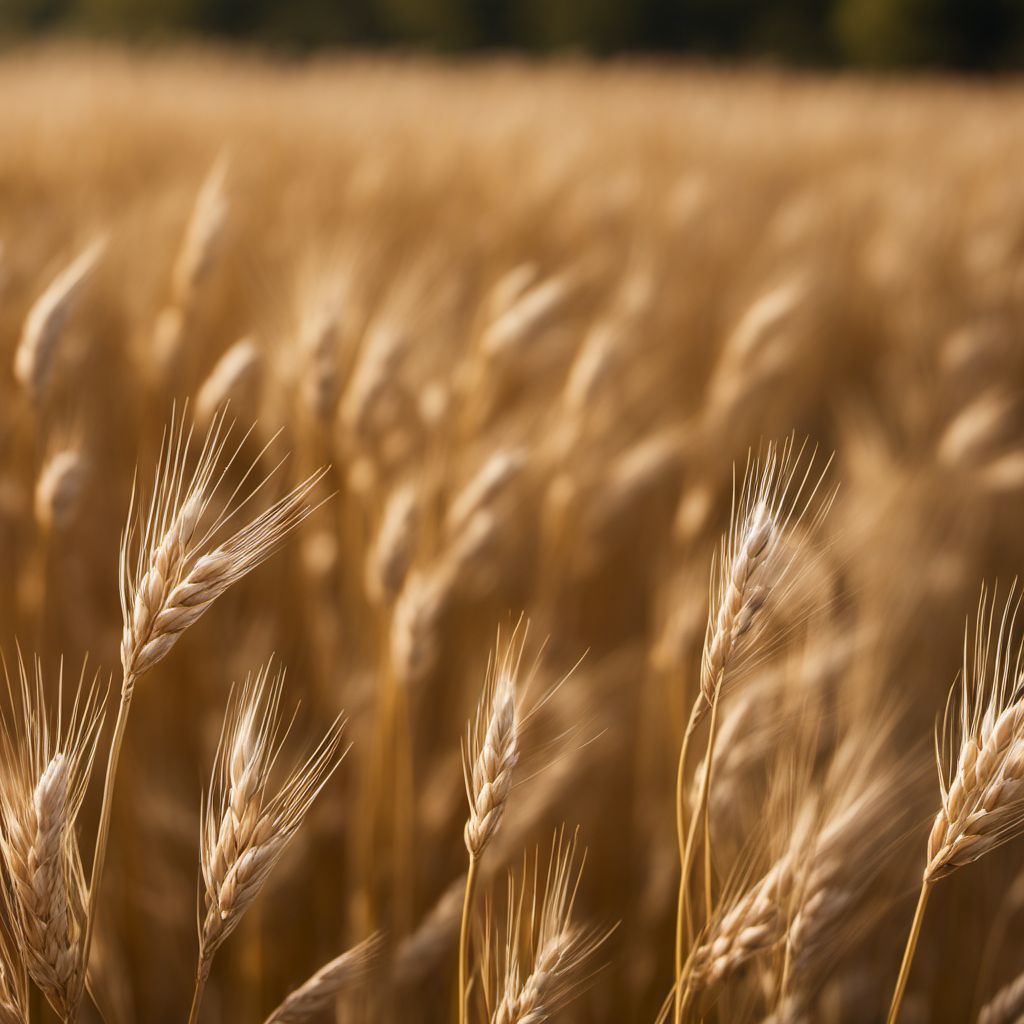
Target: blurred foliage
(961, 34)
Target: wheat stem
(683, 913)
(467, 907)
(197, 994)
(103, 831)
(682, 906)
(908, 952)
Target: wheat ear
(341, 975)
(47, 760)
(46, 320)
(538, 964)
(489, 757)
(980, 754)
(246, 825)
(176, 562)
(778, 493)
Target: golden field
(539, 323)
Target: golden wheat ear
(980, 756)
(181, 557)
(47, 755)
(247, 823)
(341, 975)
(980, 751)
(538, 962)
(784, 491)
(491, 750)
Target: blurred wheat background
(536, 321)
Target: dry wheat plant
(502, 543)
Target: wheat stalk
(777, 495)
(980, 755)
(47, 760)
(246, 825)
(489, 757)
(173, 566)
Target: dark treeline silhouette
(978, 35)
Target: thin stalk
(683, 913)
(197, 994)
(103, 832)
(708, 909)
(687, 864)
(467, 906)
(908, 953)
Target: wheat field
(528, 439)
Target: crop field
(492, 541)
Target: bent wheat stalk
(173, 567)
(980, 755)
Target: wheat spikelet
(174, 570)
(751, 925)
(341, 975)
(47, 762)
(246, 825)
(234, 378)
(59, 489)
(46, 320)
(537, 964)
(981, 755)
